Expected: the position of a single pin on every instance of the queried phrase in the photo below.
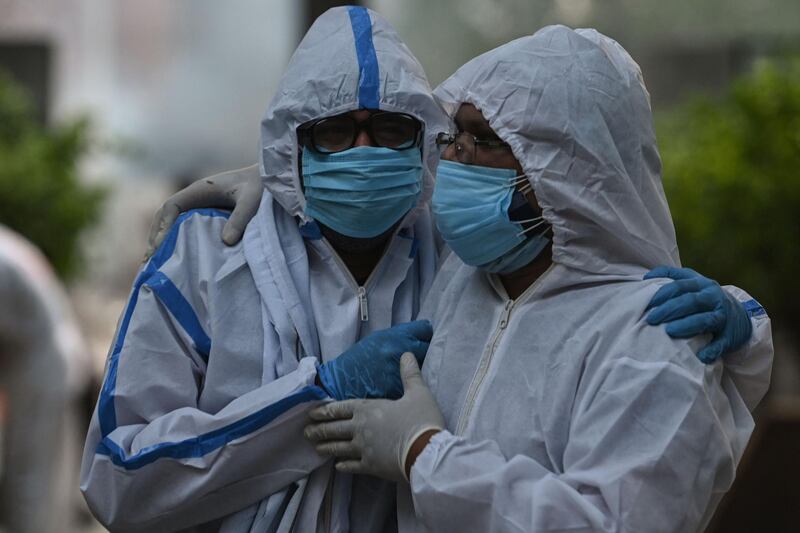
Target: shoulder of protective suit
(610, 316)
(641, 341)
(193, 246)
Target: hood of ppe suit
(573, 106)
(351, 58)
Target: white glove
(374, 436)
(237, 189)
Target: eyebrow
(476, 127)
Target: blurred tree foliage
(732, 176)
(41, 196)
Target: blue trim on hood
(368, 78)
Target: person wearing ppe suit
(221, 351)
(241, 187)
(546, 402)
(692, 305)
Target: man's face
(362, 138)
(471, 122)
(354, 129)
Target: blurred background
(107, 107)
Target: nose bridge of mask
(363, 191)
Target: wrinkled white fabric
(565, 410)
(207, 388)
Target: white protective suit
(200, 418)
(565, 410)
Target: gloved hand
(239, 189)
(374, 436)
(370, 368)
(693, 305)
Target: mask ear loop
(522, 178)
(525, 189)
(540, 222)
(516, 180)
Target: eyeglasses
(467, 145)
(397, 131)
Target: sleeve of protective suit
(750, 366)
(154, 460)
(652, 447)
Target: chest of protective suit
(344, 312)
(515, 371)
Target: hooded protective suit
(212, 371)
(565, 411)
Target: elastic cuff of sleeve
(410, 442)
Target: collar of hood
(351, 58)
(573, 106)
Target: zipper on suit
(363, 305)
(488, 354)
(360, 290)
(483, 368)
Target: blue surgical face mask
(363, 191)
(470, 203)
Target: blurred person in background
(246, 187)
(44, 370)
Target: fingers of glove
(420, 329)
(708, 322)
(675, 273)
(738, 310)
(152, 233)
(206, 192)
(675, 289)
(202, 193)
(340, 448)
(351, 467)
(322, 431)
(163, 220)
(334, 411)
(743, 328)
(409, 372)
(713, 350)
(682, 306)
(247, 203)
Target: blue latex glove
(371, 367)
(694, 304)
